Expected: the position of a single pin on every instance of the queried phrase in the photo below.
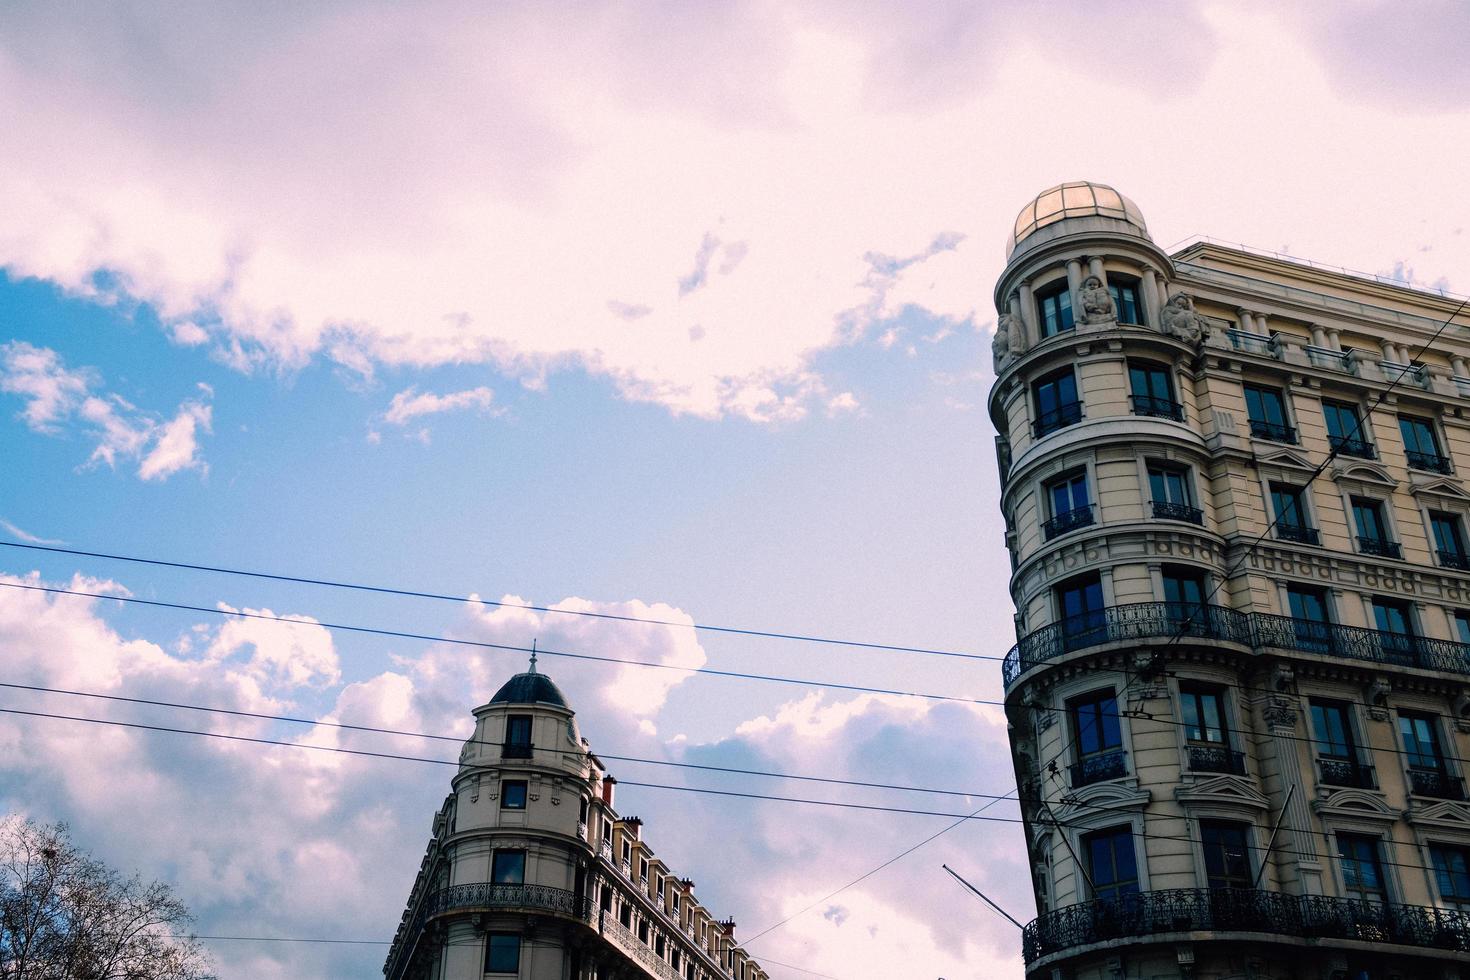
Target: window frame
(1451, 897)
(1261, 427)
(490, 950)
(507, 853)
(523, 785)
(1148, 401)
(1064, 413)
(1116, 887)
(1117, 283)
(1356, 444)
(1247, 876)
(1384, 893)
(1065, 312)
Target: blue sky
(675, 317)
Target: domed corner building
(1240, 692)
(531, 873)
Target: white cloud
(411, 403)
(23, 535)
(56, 396)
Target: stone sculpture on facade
(1010, 339)
(1097, 302)
(1179, 319)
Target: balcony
(1436, 784)
(1100, 768)
(1379, 547)
(1069, 521)
(1216, 758)
(1058, 418)
(1346, 772)
(1433, 462)
(1165, 510)
(515, 750)
(1273, 431)
(1179, 910)
(1261, 631)
(1157, 408)
(1344, 446)
(1457, 560)
(1299, 533)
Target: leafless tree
(66, 916)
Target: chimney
(607, 790)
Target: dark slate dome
(530, 688)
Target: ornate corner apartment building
(1235, 502)
(532, 874)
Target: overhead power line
(529, 607)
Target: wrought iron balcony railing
(1177, 910)
(1358, 448)
(1099, 768)
(1216, 758)
(1298, 533)
(1346, 772)
(1261, 631)
(515, 750)
(1457, 560)
(1058, 418)
(1433, 462)
(1273, 431)
(1069, 521)
(1156, 407)
(1436, 783)
(1380, 547)
(1165, 510)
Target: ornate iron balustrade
(1436, 784)
(1380, 547)
(1058, 418)
(1273, 431)
(1346, 772)
(1165, 510)
(1358, 448)
(629, 942)
(1433, 462)
(1457, 560)
(1261, 631)
(1069, 521)
(1155, 407)
(1216, 758)
(1099, 768)
(515, 750)
(1134, 621)
(1244, 910)
(1299, 533)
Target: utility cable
(529, 607)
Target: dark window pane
(1418, 435)
(1113, 868)
(502, 952)
(1451, 872)
(1391, 616)
(1421, 741)
(513, 794)
(508, 868)
(1055, 309)
(1226, 862)
(1362, 874)
(1307, 604)
(1332, 730)
(1265, 405)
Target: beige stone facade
(531, 872)
(1237, 758)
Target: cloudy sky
(674, 312)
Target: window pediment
(1097, 803)
(1222, 791)
(1441, 815)
(1437, 486)
(1355, 803)
(1363, 474)
(1285, 459)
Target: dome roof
(1076, 199)
(530, 688)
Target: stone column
(1028, 313)
(1334, 338)
(1261, 327)
(1404, 355)
(1457, 365)
(1245, 319)
(1095, 267)
(1389, 352)
(1319, 336)
(1163, 293)
(1074, 284)
(1151, 298)
(1281, 714)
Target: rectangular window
(1056, 402)
(517, 737)
(1333, 731)
(1227, 863)
(1451, 873)
(1054, 309)
(1392, 616)
(513, 794)
(1309, 621)
(1071, 507)
(1345, 433)
(643, 869)
(1462, 626)
(508, 868)
(1080, 607)
(1098, 739)
(1421, 446)
(1449, 540)
(1373, 536)
(1203, 710)
(1184, 598)
(1152, 391)
(1362, 874)
(1172, 500)
(1111, 864)
(502, 952)
(1266, 409)
(1289, 504)
(1125, 293)
(1419, 734)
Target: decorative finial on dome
(533, 656)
